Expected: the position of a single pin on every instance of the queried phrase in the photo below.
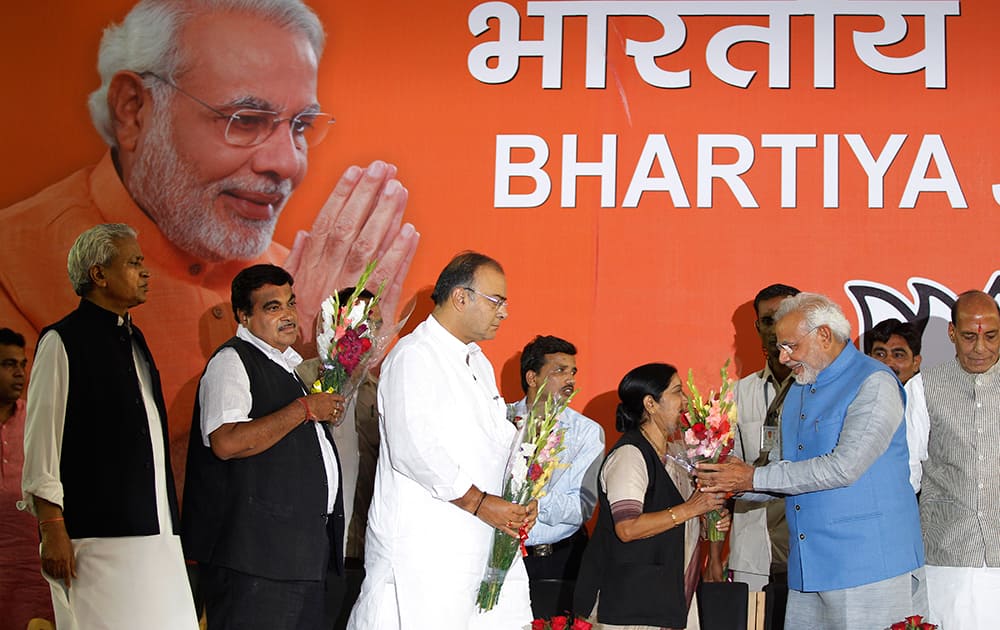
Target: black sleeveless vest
(640, 582)
(106, 463)
(263, 515)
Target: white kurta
(955, 595)
(750, 539)
(443, 427)
(125, 582)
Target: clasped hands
(361, 221)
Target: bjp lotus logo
(929, 302)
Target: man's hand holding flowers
(324, 407)
(732, 476)
(504, 515)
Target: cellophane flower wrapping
(533, 464)
(706, 433)
(350, 340)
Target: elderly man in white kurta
(955, 412)
(95, 470)
(445, 444)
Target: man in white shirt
(556, 544)
(263, 506)
(897, 344)
(445, 444)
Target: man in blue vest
(856, 556)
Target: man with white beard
(209, 109)
(856, 556)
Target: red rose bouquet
(913, 622)
(706, 433)
(561, 622)
(531, 467)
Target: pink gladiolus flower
(554, 439)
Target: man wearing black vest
(96, 472)
(263, 506)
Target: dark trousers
(237, 601)
(776, 598)
(344, 593)
(552, 578)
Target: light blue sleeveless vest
(862, 533)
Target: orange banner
(641, 169)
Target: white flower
(324, 341)
(519, 471)
(357, 313)
(327, 309)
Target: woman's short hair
(96, 246)
(650, 379)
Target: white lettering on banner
(605, 169)
(502, 197)
(789, 143)
(710, 170)
(656, 151)
(508, 48)
(730, 174)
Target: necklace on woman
(660, 452)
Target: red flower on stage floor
(561, 622)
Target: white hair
(96, 246)
(817, 310)
(146, 41)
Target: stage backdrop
(641, 169)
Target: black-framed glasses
(250, 127)
(498, 302)
(792, 346)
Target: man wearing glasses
(445, 442)
(209, 110)
(856, 556)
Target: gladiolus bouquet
(350, 339)
(531, 467)
(706, 434)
